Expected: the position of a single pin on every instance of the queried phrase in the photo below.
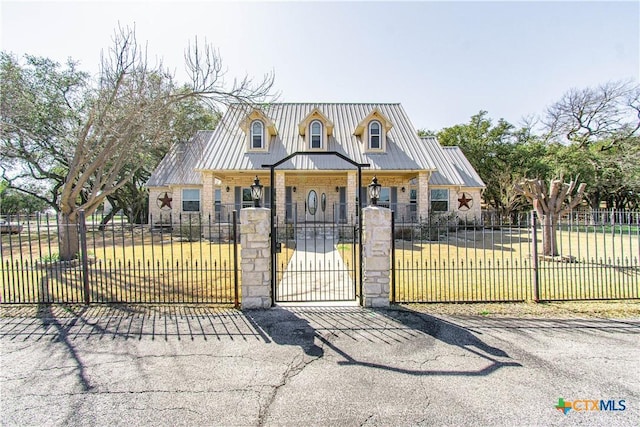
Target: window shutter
(267, 196)
(394, 198)
(238, 198)
(287, 203)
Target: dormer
(259, 130)
(316, 129)
(373, 130)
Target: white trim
(311, 135)
(370, 135)
(251, 134)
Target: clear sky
(444, 61)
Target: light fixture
(337, 189)
(294, 188)
(403, 189)
(374, 191)
(227, 188)
(256, 192)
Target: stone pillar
(206, 198)
(256, 258)
(423, 195)
(280, 196)
(376, 256)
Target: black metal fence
(443, 259)
(177, 259)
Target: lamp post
(374, 191)
(256, 192)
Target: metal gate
(316, 261)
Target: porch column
(376, 256)
(280, 196)
(255, 228)
(423, 195)
(352, 191)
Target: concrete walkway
(197, 366)
(317, 272)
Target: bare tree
(550, 203)
(116, 122)
(609, 112)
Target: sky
(443, 61)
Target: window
(385, 197)
(439, 200)
(413, 203)
(374, 135)
(257, 134)
(191, 200)
(247, 198)
(316, 134)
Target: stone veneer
(376, 256)
(255, 229)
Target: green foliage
(13, 202)
(501, 154)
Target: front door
(312, 206)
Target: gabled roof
(452, 166)
(178, 165)
(225, 149)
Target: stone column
(256, 258)
(423, 195)
(376, 256)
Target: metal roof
(463, 167)
(226, 148)
(179, 165)
(452, 166)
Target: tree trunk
(68, 238)
(549, 241)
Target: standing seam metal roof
(226, 148)
(178, 165)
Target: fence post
(82, 224)
(393, 258)
(534, 257)
(235, 259)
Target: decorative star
(165, 201)
(464, 201)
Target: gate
(316, 262)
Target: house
(211, 174)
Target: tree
(97, 134)
(13, 202)
(595, 132)
(501, 154)
(550, 204)
(610, 112)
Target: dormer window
(373, 132)
(374, 135)
(259, 130)
(315, 132)
(257, 134)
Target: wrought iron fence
(441, 259)
(174, 259)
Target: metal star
(464, 201)
(165, 201)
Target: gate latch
(278, 247)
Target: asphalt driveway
(313, 366)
